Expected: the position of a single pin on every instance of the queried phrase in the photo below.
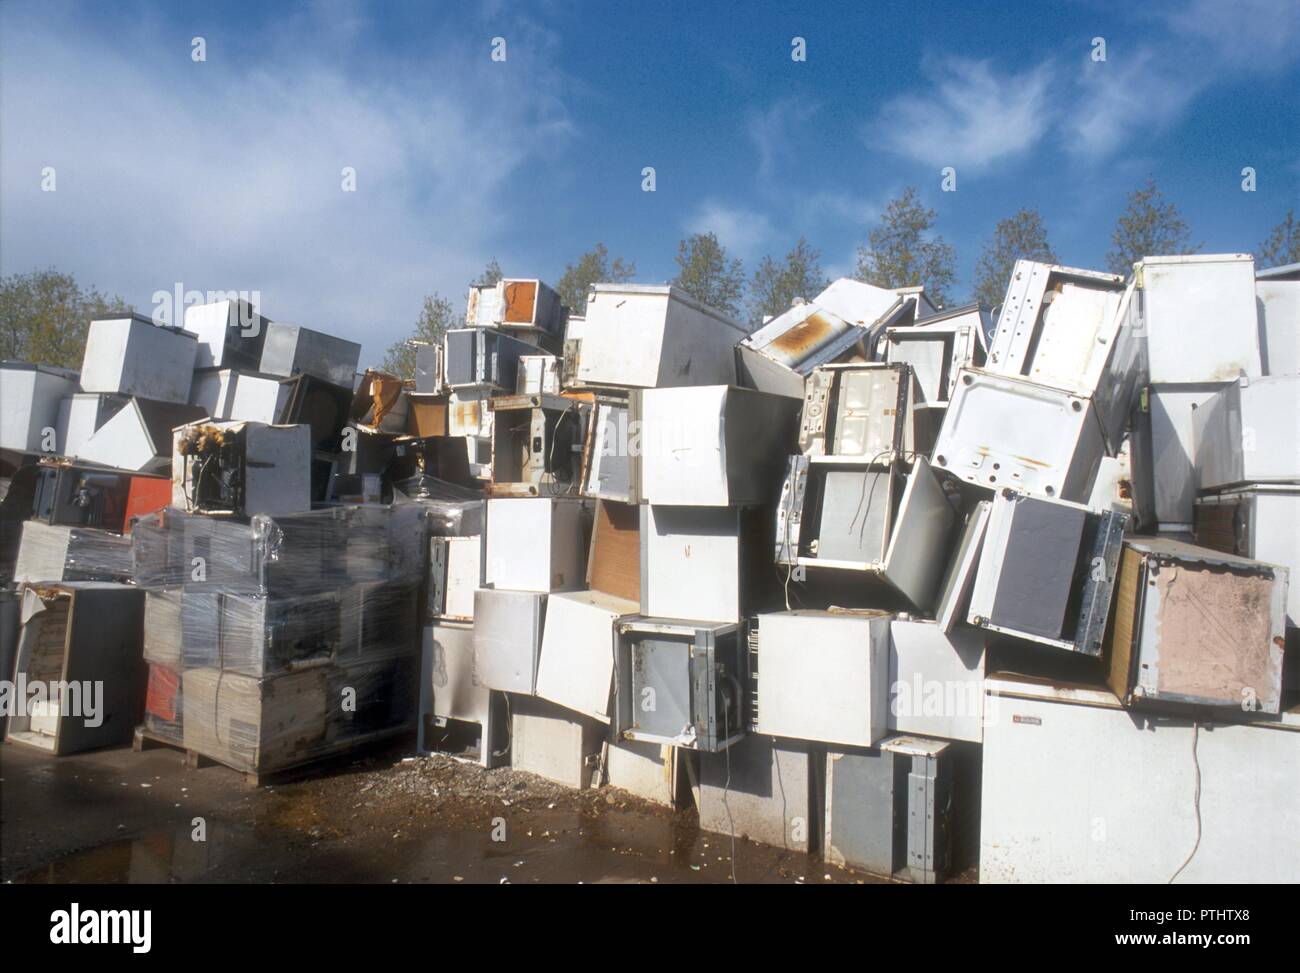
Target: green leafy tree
(1283, 244)
(1149, 226)
(1019, 237)
(44, 317)
(491, 274)
(775, 286)
(704, 272)
(902, 252)
(593, 267)
(437, 317)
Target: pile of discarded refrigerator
(911, 588)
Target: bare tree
(1283, 244)
(1018, 237)
(1149, 226)
(775, 286)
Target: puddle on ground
(540, 847)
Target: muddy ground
(120, 816)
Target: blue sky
(226, 174)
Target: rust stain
(1033, 462)
(804, 336)
(521, 299)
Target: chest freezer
(641, 336)
(507, 639)
(714, 445)
(906, 808)
(29, 404)
(780, 355)
(611, 468)
(936, 680)
(680, 683)
(134, 356)
(820, 675)
(476, 359)
(537, 445)
(936, 351)
(860, 412)
(705, 562)
(1199, 317)
(535, 544)
(516, 304)
(139, 436)
(1001, 430)
(1262, 524)
(230, 334)
(290, 350)
(576, 668)
(1047, 571)
(1199, 627)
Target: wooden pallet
(146, 740)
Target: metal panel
(1249, 433)
(936, 680)
(447, 690)
(856, 302)
(857, 411)
(553, 743)
(479, 359)
(1006, 431)
(507, 639)
(763, 789)
(613, 462)
(1277, 298)
(1172, 448)
(455, 573)
(914, 560)
(87, 412)
(576, 669)
(892, 809)
(823, 676)
(961, 572)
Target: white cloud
(1121, 97)
(1253, 34)
(226, 174)
(774, 132)
(744, 232)
(971, 118)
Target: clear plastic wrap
(453, 511)
(59, 553)
(291, 554)
(292, 637)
